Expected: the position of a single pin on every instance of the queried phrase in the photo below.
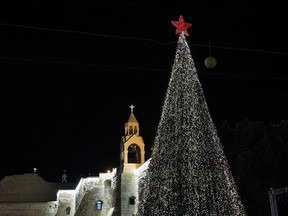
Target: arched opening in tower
(134, 155)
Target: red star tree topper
(181, 25)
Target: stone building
(114, 193)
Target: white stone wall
(114, 189)
(129, 187)
(66, 198)
(94, 189)
(28, 209)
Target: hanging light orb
(210, 62)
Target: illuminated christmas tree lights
(188, 174)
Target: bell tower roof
(132, 125)
(132, 117)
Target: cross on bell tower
(132, 107)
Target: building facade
(116, 193)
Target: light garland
(188, 172)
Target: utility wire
(137, 38)
(132, 38)
(143, 69)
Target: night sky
(71, 69)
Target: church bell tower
(132, 151)
(132, 156)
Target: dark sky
(71, 69)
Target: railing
(272, 197)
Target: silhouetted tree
(257, 152)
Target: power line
(86, 33)
(244, 49)
(131, 38)
(78, 63)
(140, 39)
(142, 69)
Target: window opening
(99, 205)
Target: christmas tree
(188, 173)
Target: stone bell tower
(132, 156)
(132, 144)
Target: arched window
(99, 204)
(130, 130)
(67, 210)
(135, 130)
(134, 154)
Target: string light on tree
(188, 173)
